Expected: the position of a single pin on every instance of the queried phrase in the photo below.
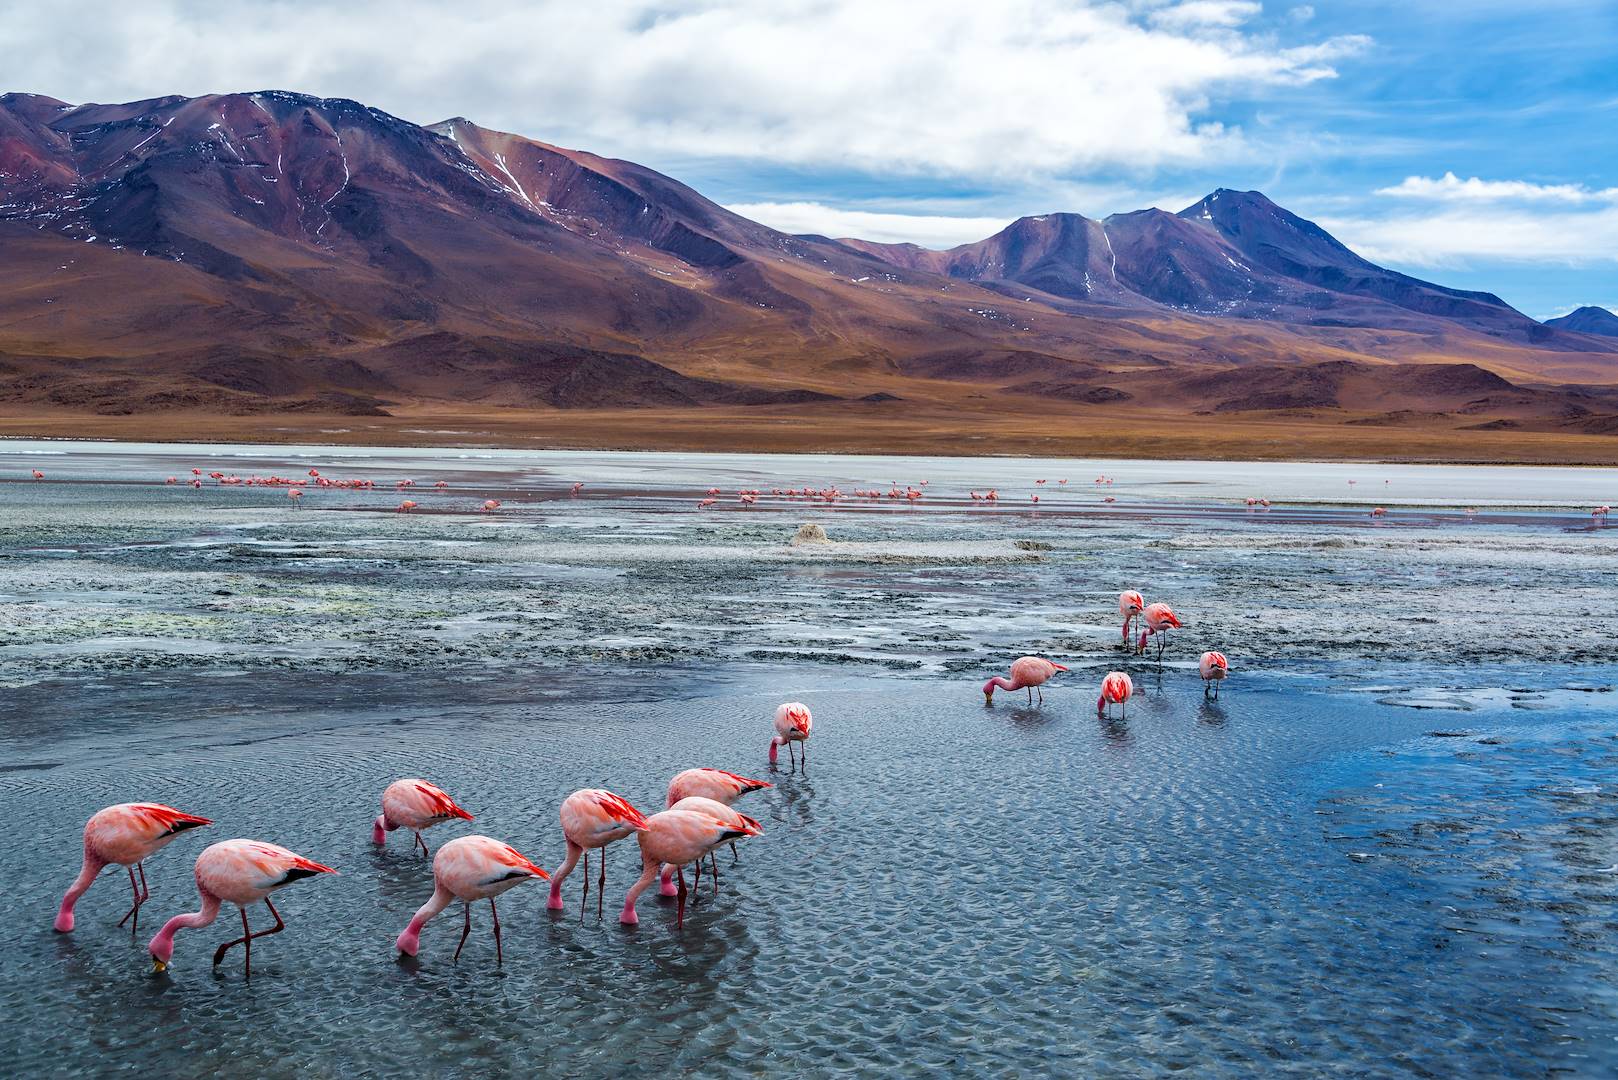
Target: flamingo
(578, 488)
(1116, 689)
(715, 784)
(490, 505)
(1380, 511)
(243, 872)
(792, 724)
(407, 506)
(1214, 667)
(592, 818)
(294, 494)
(1130, 604)
(38, 475)
(1027, 673)
(1159, 618)
(127, 834)
(415, 805)
(676, 837)
(723, 813)
(469, 868)
(703, 504)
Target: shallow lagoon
(1302, 877)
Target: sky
(1469, 142)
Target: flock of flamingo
(698, 819)
(1031, 673)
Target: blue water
(1391, 848)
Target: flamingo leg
(499, 957)
(585, 899)
(679, 918)
(734, 858)
(601, 881)
(135, 893)
(464, 932)
(696, 884)
(714, 861)
(246, 940)
(423, 844)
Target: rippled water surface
(1390, 849)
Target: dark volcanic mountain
(263, 252)
(1588, 320)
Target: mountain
(1588, 320)
(278, 254)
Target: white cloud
(933, 231)
(1451, 188)
(1461, 235)
(1016, 88)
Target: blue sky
(1470, 142)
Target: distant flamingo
(578, 488)
(1158, 619)
(490, 505)
(724, 813)
(592, 818)
(1116, 689)
(171, 480)
(294, 494)
(415, 805)
(1027, 673)
(469, 868)
(126, 834)
(676, 837)
(792, 724)
(1214, 667)
(38, 475)
(1130, 604)
(1379, 511)
(703, 504)
(407, 506)
(243, 872)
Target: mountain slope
(1588, 320)
(272, 252)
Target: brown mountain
(278, 254)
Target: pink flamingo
(441, 485)
(1116, 689)
(1213, 667)
(592, 818)
(703, 504)
(243, 872)
(716, 784)
(126, 834)
(38, 475)
(792, 724)
(1159, 619)
(1027, 673)
(415, 805)
(578, 488)
(676, 837)
(407, 506)
(724, 813)
(469, 868)
(490, 505)
(1130, 604)
(294, 494)
(171, 480)
(1380, 511)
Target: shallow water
(1391, 849)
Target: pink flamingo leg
(464, 933)
(246, 940)
(141, 894)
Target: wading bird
(1213, 667)
(676, 837)
(415, 805)
(1116, 689)
(127, 834)
(1158, 619)
(592, 819)
(792, 724)
(243, 872)
(1027, 673)
(724, 813)
(1130, 604)
(469, 868)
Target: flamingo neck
(409, 942)
(775, 748)
(1003, 683)
(554, 903)
(162, 946)
(87, 874)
